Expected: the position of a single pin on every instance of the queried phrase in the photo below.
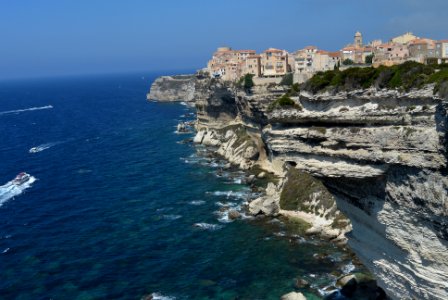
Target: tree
(348, 62)
(369, 59)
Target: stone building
(357, 52)
(441, 51)
(404, 38)
(420, 50)
(274, 63)
(252, 65)
(390, 54)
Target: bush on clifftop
(284, 102)
(405, 76)
(246, 82)
(287, 79)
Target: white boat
(21, 178)
(34, 150)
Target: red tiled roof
(334, 54)
(273, 50)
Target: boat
(21, 178)
(34, 150)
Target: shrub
(287, 79)
(405, 76)
(294, 91)
(246, 82)
(348, 62)
(284, 102)
(369, 59)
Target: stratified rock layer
(380, 153)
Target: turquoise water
(121, 208)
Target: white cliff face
(384, 161)
(377, 156)
(173, 88)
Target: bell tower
(358, 39)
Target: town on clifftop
(272, 64)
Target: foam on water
(196, 202)
(17, 111)
(207, 226)
(158, 296)
(171, 217)
(11, 190)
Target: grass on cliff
(405, 77)
(284, 102)
(299, 189)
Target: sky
(71, 37)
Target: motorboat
(21, 178)
(34, 150)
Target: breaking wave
(11, 190)
(207, 226)
(158, 296)
(17, 111)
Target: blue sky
(65, 37)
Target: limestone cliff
(377, 157)
(173, 88)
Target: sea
(121, 206)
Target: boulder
(199, 137)
(264, 205)
(250, 179)
(233, 214)
(301, 283)
(262, 175)
(293, 296)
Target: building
(358, 40)
(311, 60)
(404, 38)
(441, 51)
(356, 52)
(228, 64)
(274, 63)
(420, 50)
(252, 65)
(390, 54)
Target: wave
(171, 217)
(17, 111)
(207, 226)
(43, 147)
(197, 202)
(11, 190)
(158, 296)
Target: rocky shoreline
(365, 166)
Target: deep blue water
(111, 214)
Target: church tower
(358, 39)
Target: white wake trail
(17, 111)
(11, 190)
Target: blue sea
(123, 207)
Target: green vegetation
(298, 191)
(246, 82)
(405, 77)
(284, 102)
(369, 59)
(348, 62)
(287, 79)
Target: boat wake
(17, 111)
(13, 188)
(43, 147)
